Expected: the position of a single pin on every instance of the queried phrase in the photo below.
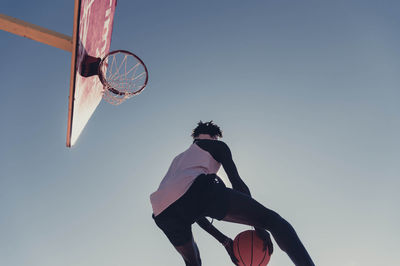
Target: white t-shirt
(180, 176)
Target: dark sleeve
(209, 228)
(231, 170)
(221, 153)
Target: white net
(123, 75)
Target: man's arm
(239, 185)
(231, 170)
(221, 153)
(209, 228)
(223, 239)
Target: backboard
(93, 24)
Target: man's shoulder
(213, 143)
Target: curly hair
(207, 128)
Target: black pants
(205, 197)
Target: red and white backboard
(93, 24)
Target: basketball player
(191, 191)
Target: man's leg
(245, 210)
(190, 253)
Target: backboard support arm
(36, 33)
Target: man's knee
(190, 253)
(273, 221)
(196, 262)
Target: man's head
(207, 128)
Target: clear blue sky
(306, 92)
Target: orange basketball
(248, 249)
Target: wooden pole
(35, 32)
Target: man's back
(181, 174)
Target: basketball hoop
(122, 74)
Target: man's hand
(265, 236)
(228, 244)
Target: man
(191, 191)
